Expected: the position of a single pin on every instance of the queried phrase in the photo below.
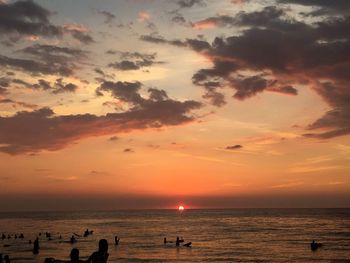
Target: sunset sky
(155, 103)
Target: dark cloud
(190, 3)
(99, 71)
(215, 98)
(324, 7)
(42, 84)
(179, 19)
(61, 87)
(234, 147)
(266, 16)
(249, 87)
(124, 91)
(157, 95)
(289, 90)
(46, 59)
(161, 40)
(79, 32)
(124, 65)
(128, 150)
(137, 55)
(133, 60)
(41, 129)
(20, 104)
(82, 37)
(281, 53)
(28, 18)
(109, 17)
(113, 138)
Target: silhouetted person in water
(177, 241)
(100, 256)
(165, 240)
(36, 246)
(189, 244)
(314, 245)
(30, 241)
(3, 236)
(116, 240)
(72, 239)
(74, 256)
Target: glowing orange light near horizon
(181, 208)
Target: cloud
(234, 147)
(27, 18)
(28, 132)
(61, 87)
(79, 32)
(161, 40)
(277, 53)
(190, 3)
(46, 59)
(113, 138)
(134, 60)
(143, 16)
(268, 15)
(109, 17)
(128, 150)
(323, 7)
(21, 104)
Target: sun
(181, 208)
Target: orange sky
(148, 105)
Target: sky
(156, 103)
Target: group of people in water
(178, 241)
(99, 256)
(15, 236)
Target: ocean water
(236, 235)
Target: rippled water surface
(237, 235)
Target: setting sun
(181, 208)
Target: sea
(223, 235)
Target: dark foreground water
(237, 235)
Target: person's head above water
(103, 245)
(74, 254)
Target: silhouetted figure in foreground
(7, 259)
(314, 245)
(116, 240)
(100, 256)
(1, 258)
(74, 256)
(36, 246)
